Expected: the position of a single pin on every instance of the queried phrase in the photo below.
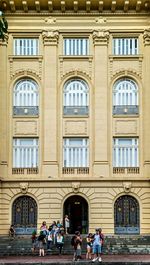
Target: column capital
(50, 37)
(146, 36)
(100, 37)
(5, 41)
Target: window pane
(25, 153)
(125, 46)
(76, 47)
(26, 47)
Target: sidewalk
(66, 259)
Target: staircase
(131, 244)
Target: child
(59, 242)
(67, 224)
(76, 242)
(89, 241)
(49, 238)
(12, 232)
(41, 240)
(33, 237)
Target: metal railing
(75, 170)
(126, 170)
(22, 171)
(26, 111)
(126, 110)
(76, 110)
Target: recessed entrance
(76, 207)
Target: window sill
(25, 57)
(75, 57)
(126, 57)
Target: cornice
(78, 7)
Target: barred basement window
(26, 46)
(125, 46)
(25, 153)
(76, 152)
(125, 152)
(76, 46)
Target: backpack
(72, 240)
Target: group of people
(52, 235)
(94, 245)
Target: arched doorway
(126, 213)
(76, 207)
(24, 215)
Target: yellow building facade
(74, 115)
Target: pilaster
(100, 41)
(3, 108)
(146, 103)
(50, 41)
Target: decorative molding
(23, 72)
(24, 187)
(50, 20)
(78, 127)
(100, 20)
(100, 37)
(25, 127)
(127, 186)
(146, 37)
(76, 187)
(50, 37)
(126, 127)
(124, 72)
(75, 72)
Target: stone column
(3, 108)
(100, 152)
(49, 93)
(146, 103)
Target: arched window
(26, 97)
(24, 215)
(126, 213)
(76, 97)
(125, 97)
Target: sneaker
(94, 259)
(100, 259)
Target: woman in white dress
(67, 224)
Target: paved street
(64, 259)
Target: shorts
(96, 249)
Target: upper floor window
(26, 98)
(76, 46)
(26, 46)
(25, 153)
(76, 97)
(76, 152)
(125, 97)
(125, 46)
(125, 153)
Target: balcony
(75, 170)
(126, 110)
(126, 170)
(26, 111)
(76, 110)
(24, 171)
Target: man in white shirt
(97, 242)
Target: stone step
(113, 245)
